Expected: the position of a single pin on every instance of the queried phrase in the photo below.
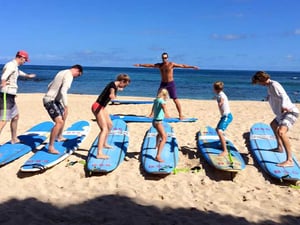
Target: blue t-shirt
(157, 109)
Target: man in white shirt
(56, 102)
(8, 90)
(286, 113)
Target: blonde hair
(260, 76)
(219, 86)
(163, 93)
(123, 77)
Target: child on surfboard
(286, 113)
(159, 111)
(226, 116)
(102, 116)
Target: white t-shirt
(58, 88)
(224, 109)
(279, 99)
(10, 73)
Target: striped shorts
(8, 107)
(288, 119)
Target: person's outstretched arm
(147, 65)
(185, 66)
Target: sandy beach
(65, 195)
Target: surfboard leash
(194, 169)
(4, 106)
(229, 156)
(295, 186)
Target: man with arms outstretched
(167, 78)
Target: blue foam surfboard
(136, 102)
(43, 160)
(118, 139)
(209, 145)
(30, 140)
(145, 119)
(263, 145)
(169, 153)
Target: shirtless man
(167, 79)
(56, 103)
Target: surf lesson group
(56, 104)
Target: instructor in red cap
(8, 90)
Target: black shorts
(54, 109)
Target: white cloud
(228, 37)
(48, 56)
(297, 32)
(289, 57)
(239, 15)
(5, 59)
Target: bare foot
(223, 153)
(181, 117)
(61, 139)
(102, 156)
(107, 146)
(15, 141)
(158, 159)
(52, 150)
(287, 163)
(280, 149)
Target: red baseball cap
(23, 54)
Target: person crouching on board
(159, 110)
(56, 102)
(286, 113)
(226, 116)
(102, 116)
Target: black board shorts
(54, 109)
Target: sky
(211, 34)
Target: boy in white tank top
(226, 116)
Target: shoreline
(65, 195)
(125, 97)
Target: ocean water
(191, 84)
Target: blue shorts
(170, 86)
(224, 122)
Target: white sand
(64, 195)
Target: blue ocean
(191, 84)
